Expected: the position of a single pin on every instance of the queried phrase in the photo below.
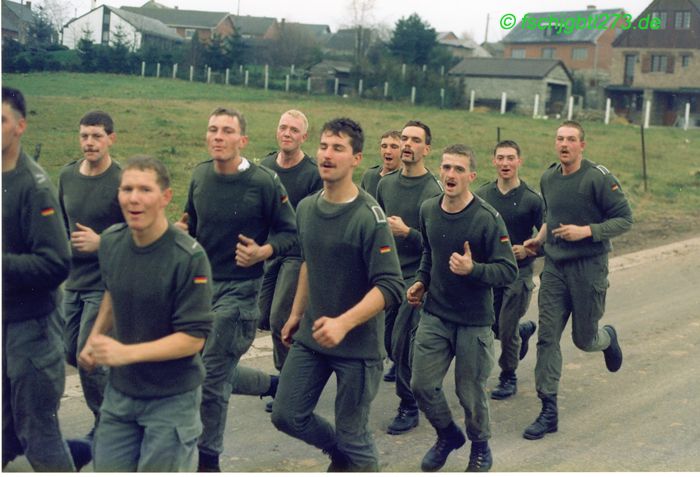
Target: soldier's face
(335, 158)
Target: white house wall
(92, 21)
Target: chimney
(590, 7)
(29, 5)
(93, 5)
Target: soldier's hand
(288, 330)
(109, 352)
(461, 264)
(329, 332)
(519, 251)
(572, 233)
(85, 358)
(397, 226)
(182, 224)
(414, 295)
(84, 239)
(248, 252)
(532, 247)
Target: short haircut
(98, 118)
(462, 150)
(507, 143)
(393, 133)
(349, 127)
(576, 125)
(15, 99)
(295, 113)
(424, 127)
(143, 162)
(234, 113)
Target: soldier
(390, 150)
(350, 274)
(466, 252)
(87, 191)
(521, 209)
(401, 195)
(157, 304)
(35, 261)
(585, 208)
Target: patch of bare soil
(657, 231)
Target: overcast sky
(444, 15)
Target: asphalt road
(646, 417)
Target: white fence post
(157, 70)
(191, 72)
(209, 74)
(386, 89)
(247, 77)
(413, 95)
(536, 107)
(607, 111)
(360, 87)
(336, 86)
(227, 75)
(503, 102)
(687, 116)
(175, 71)
(267, 76)
(647, 114)
(143, 68)
(570, 114)
(286, 83)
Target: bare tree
(361, 12)
(57, 12)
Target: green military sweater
(252, 202)
(402, 196)
(348, 250)
(35, 252)
(156, 290)
(521, 208)
(300, 180)
(371, 177)
(91, 201)
(465, 300)
(590, 196)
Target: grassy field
(167, 118)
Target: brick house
(661, 65)
(586, 52)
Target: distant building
(17, 19)
(520, 79)
(662, 66)
(323, 76)
(106, 25)
(188, 22)
(461, 48)
(349, 42)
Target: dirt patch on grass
(656, 231)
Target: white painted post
(209, 74)
(286, 83)
(503, 102)
(647, 114)
(308, 85)
(267, 76)
(157, 70)
(247, 77)
(386, 89)
(227, 75)
(291, 70)
(570, 114)
(403, 71)
(425, 67)
(360, 87)
(336, 86)
(413, 95)
(536, 107)
(175, 71)
(607, 111)
(471, 101)
(687, 116)
(442, 97)
(191, 72)
(143, 68)
(442, 70)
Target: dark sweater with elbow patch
(35, 252)
(348, 250)
(402, 196)
(157, 290)
(590, 196)
(252, 202)
(465, 300)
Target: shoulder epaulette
(187, 243)
(554, 164)
(313, 161)
(115, 228)
(374, 167)
(372, 205)
(487, 206)
(527, 186)
(603, 169)
(437, 181)
(268, 171)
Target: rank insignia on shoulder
(378, 214)
(603, 169)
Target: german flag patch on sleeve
(46, 212)
(384, 249)
(504, 238)
(200, 280)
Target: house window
(105, 26)
(189, 33)
(105, 37)
(659, 63)
(547, 53)
(552, 30)
(685, 60)
(662, 16)
(682, 21)
(579, 54)
(517, 53)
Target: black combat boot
(339, 461)
(526, 330)
(613, 353)
(208, 462)
(547, 421)
(507, 386)
(480, 458)
(405, 420)
(448, 439)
